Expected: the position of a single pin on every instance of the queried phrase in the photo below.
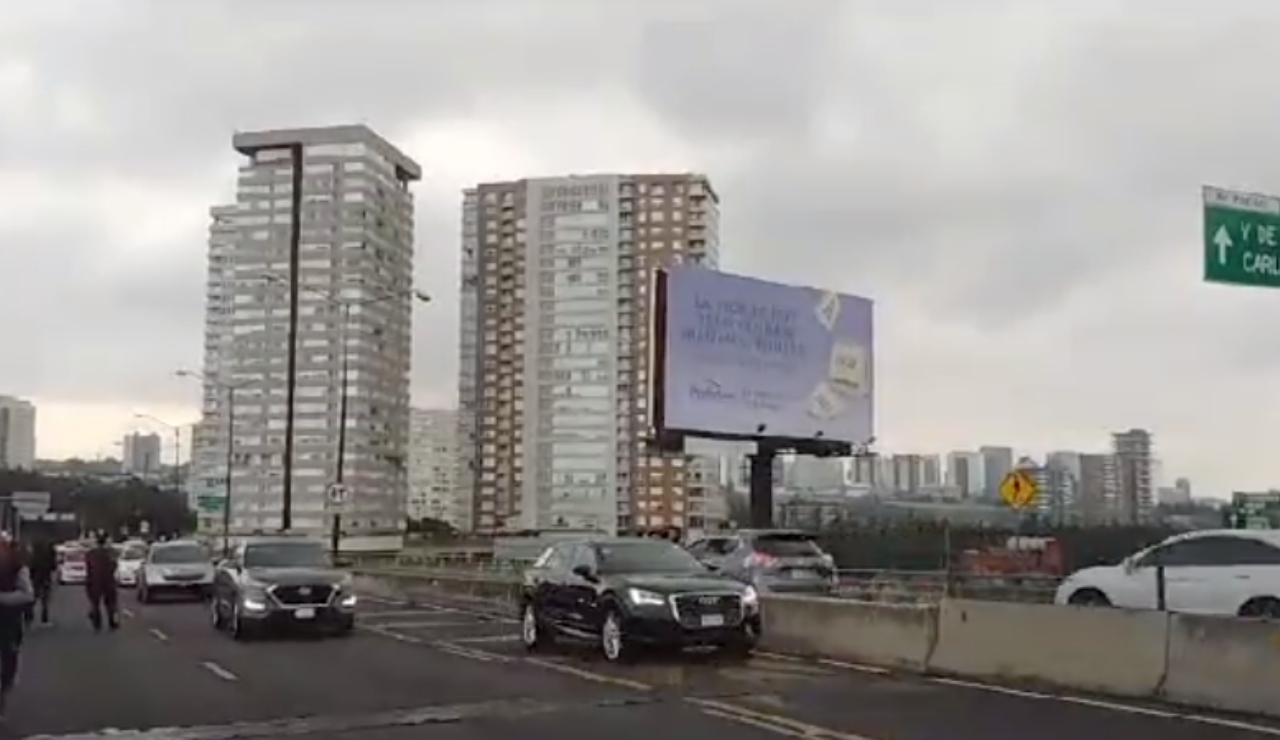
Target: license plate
(712, 620)
(801, 574)
(304, 613)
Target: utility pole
(291, 385)
(335, 533)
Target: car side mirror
(1129, 565)
(584, 572)
(711, 567)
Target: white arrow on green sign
(1241, 238)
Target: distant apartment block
(433, 468)
(17, 434)
(141, 455)
(1134, 475)
(554, 350)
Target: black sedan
(626, 594)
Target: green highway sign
(210, 504)
(1241, 238)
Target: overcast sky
(1016, 183)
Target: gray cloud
(995, 173)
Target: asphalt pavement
(452, 669)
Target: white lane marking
(424, 625)
(126, 613)
(1116, 706)
(778, 723)
(219, 671)
(486, 638)
(860, 667)
(779, 656)
(588, 675)
(158, 634)
(1234, 724)
(988, 687)
(403, 613)
(444, 647)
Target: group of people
(27, 573)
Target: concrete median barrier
(1210, 662)
(879, 634)
(1224, 663)
(1109, 651)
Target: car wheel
(1089, 597)
(532, 632)
(614, 644)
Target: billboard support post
(761, 484)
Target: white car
(181, 567)
(130, 556)
(72, 568)
(1228, 572)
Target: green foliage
(119, 506)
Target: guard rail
(1219, 663)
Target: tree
(119, 507)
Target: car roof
(175, 543)
(251, 542)
(1268, 536)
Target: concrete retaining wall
(881, 634)
(1218, 663)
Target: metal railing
(878, 586)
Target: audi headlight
(750, 597)
(640, 597)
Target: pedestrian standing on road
(42, 564)
(15, 598)
(100, 584)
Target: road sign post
(1018, 489)
(1241, 238)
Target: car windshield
(641, 556)
(286, 555)
(179, 554)
(133, 552)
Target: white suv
(1230, 572)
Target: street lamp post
(344, 396)
(177, 447)
(230, 389)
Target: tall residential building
(804, 474)
(433, 468)
(965, 472)
(554, 348)
(343, 192)
(996, 464)
(141, 454)
(17, 433)
(1135, 484)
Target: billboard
(744, 358)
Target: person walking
(100, 584)
(43, 564)
(15, 598)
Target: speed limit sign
(337, 496)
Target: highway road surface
(448, 670)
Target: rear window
(788, 546)
(75, 556)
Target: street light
(383, 295)
(230, 389)
(177, 446)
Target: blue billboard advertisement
(749, 358)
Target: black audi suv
(625, 594)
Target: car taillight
(761, 560)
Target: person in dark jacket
(42, 564)
(15, 597)
(100, 584)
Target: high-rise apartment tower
(555, 349)
(345, 203)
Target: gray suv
(281, 583)
(772, 560)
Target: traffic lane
(567, 718)
(298, 675)
(859, 699)
(72, 679)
